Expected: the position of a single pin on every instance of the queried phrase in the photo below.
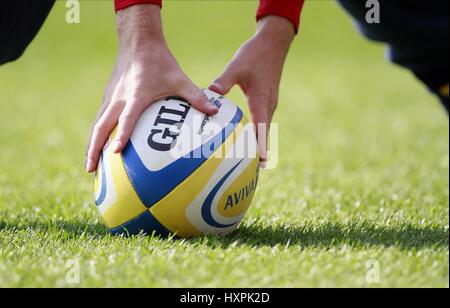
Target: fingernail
(216, 86)
(214, 110)
(117, 145)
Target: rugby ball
(181, 173)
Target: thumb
(198, 99)
(224, 83)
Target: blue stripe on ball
(206, 208)
(102, 195)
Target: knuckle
(196, 95)
(201, 98)
(126, 117)
(99, 127)
(193, 91)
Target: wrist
(140, 27)
(276, 28)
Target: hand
(145, 72)
(257, 68)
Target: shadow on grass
(333, 234)
(326, 234)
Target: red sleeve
(289, 9)
(123, 4)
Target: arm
(145, 72)
(258, 65)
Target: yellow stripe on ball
(128, 205)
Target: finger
(100, 113)
(224, 83)
(264, 135)
(198, 99)
(113, 93)
(100, 134)
(127, 122)
(258, 105)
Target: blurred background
(358, 136)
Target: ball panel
(171, 129)
(145, 223)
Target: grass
(363, 173)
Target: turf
(362, 182)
